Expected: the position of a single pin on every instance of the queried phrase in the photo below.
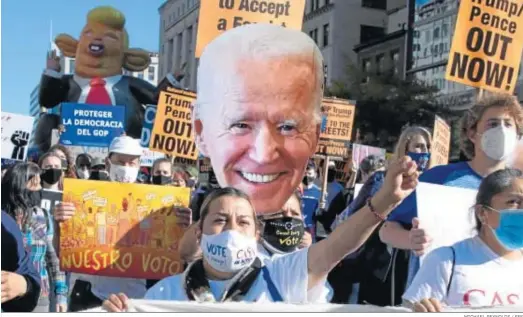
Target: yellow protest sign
(336, 131)
(440, 143)
(172, 131)
(122, 230)
(217, 16)
(487, 44)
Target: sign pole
(323, 200)
(481, 93)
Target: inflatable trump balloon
(102, 52)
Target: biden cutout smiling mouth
(257, 113)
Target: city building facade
(178, 28)
(338, 26)
(388, 52)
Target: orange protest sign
(440, 143)
(487, 44)
(336, 132)
(122, 230)
(217, 16)
(172, 131)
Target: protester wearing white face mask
(485, 270)
(489, 135)
(83, 165)
(231, 270)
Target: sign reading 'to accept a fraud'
(487, 45)
(217, 16)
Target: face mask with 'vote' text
(229, 251)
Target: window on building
(366, 68)
(445, 30)
(374, 4)
(395, 58)
(71, 65)
(315, 4)
(326, 31)
(140, 75)
(380, 64)
(314, 35)
(150, 73)
(189, 36)
(369, 33)
(427, 36)
(436, 33)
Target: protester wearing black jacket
(16, 262)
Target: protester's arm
(400, 181)
(53, 264)
(25, 268)
(392, 233)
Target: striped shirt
(38, 241)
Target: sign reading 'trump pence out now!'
(217, 16)
(487, 45)
(172, 131)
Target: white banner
(16, 133)
(155, 306)
(446, 213)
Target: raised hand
(53, 61)
(20, 140)
(400, 182)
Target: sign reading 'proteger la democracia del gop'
(90, 125)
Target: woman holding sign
(231, 270)
(485, 270)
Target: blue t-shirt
(333, 189)
(453, 175)
(313, 192)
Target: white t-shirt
(288, 273)
(481, 278)
(319, 294)
(103, 286)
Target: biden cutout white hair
(253, 42)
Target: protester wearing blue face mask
(489, 134)
(485, 270)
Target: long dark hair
(495, 184)
(16, 198)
